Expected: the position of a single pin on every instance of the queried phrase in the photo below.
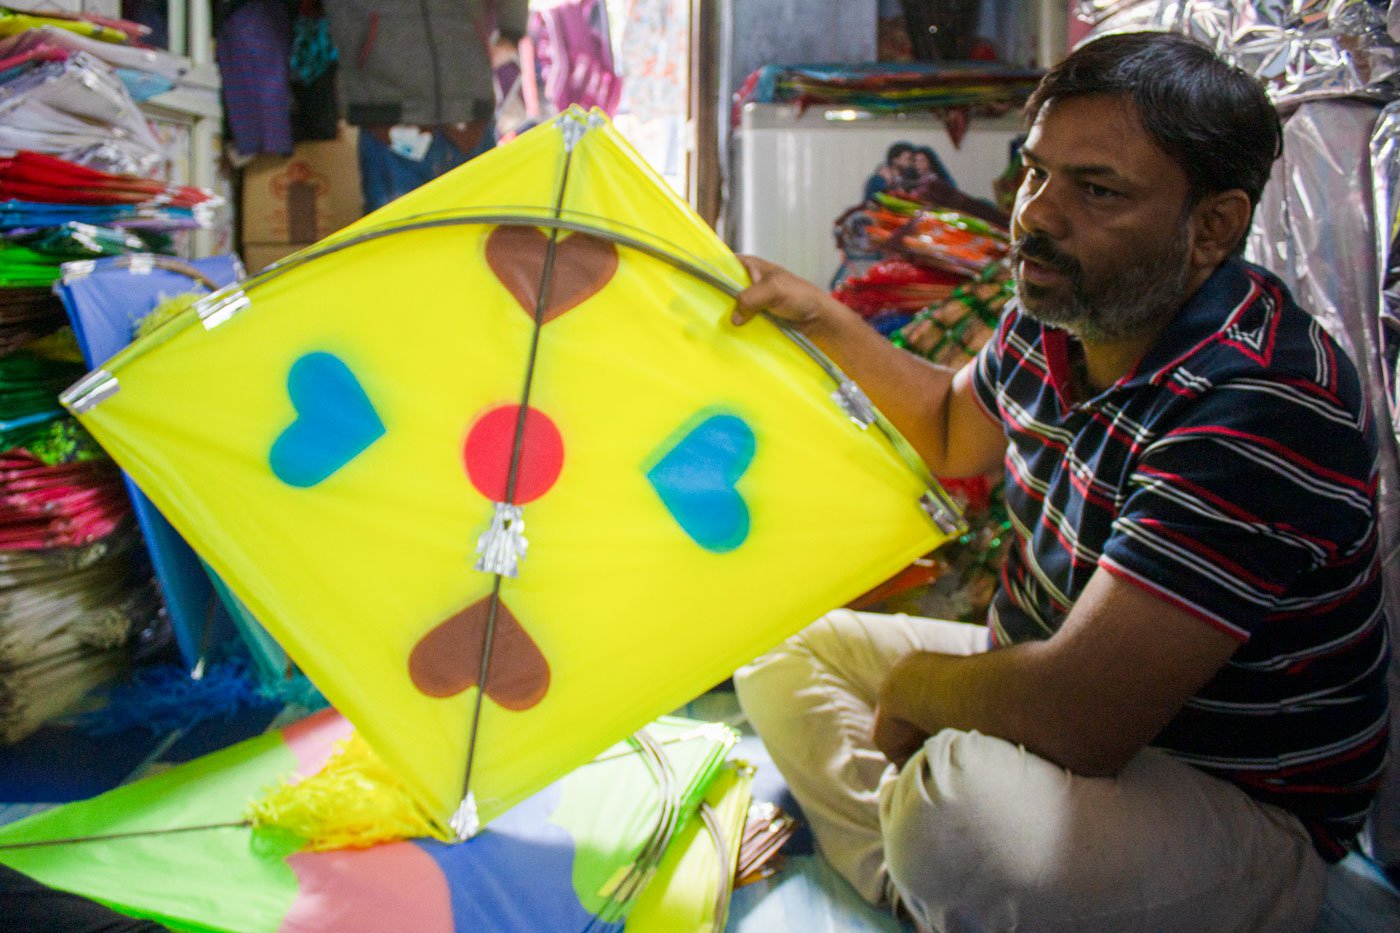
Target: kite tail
(354, 801)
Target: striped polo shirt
(1232, 473)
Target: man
(416, 76)
(1181, 719)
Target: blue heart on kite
(335, 421)
(696, 480)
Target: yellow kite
(501, 432)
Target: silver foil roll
(1383, 829)
(1302, 49)
(1317, 228)
(1385, 194)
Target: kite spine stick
(132, 834)
(508, 539)
(89, 392)
(724, 888)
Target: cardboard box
(258, 256)
(302, 198)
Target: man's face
(903, 161)
(1101, 230)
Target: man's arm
(932, 406)
(1088, 698)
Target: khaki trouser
(976, 833)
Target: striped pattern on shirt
(1232, 474)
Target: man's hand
(896, 738)
(894, 734)
(928, 404)
(785, 296)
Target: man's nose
(1038, 210)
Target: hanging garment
(253, 45)
(574, 54)
(419, 62)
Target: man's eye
(1099, 191)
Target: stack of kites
(955, 91)
(607, 485)
(927, 267)
(75, 159)
(904, 253)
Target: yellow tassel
(169, 306)
(353, 802)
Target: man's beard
(1137, 298)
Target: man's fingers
(758, 295)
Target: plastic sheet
(1383, 831)
(1314, 228)
(80, 110)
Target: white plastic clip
(502, 546)
(78, 269)
(943, 516)
(855, 404)
(90, 391)
(213, 313)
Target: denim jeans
(386, 175)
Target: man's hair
(1212, 118)
(898, 149)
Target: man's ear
(1220, 221)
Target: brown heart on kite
(447, 660)
(583, 265)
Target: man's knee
(968, 813)
(774, 678)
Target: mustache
(1039, 247)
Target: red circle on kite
(488, 448)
